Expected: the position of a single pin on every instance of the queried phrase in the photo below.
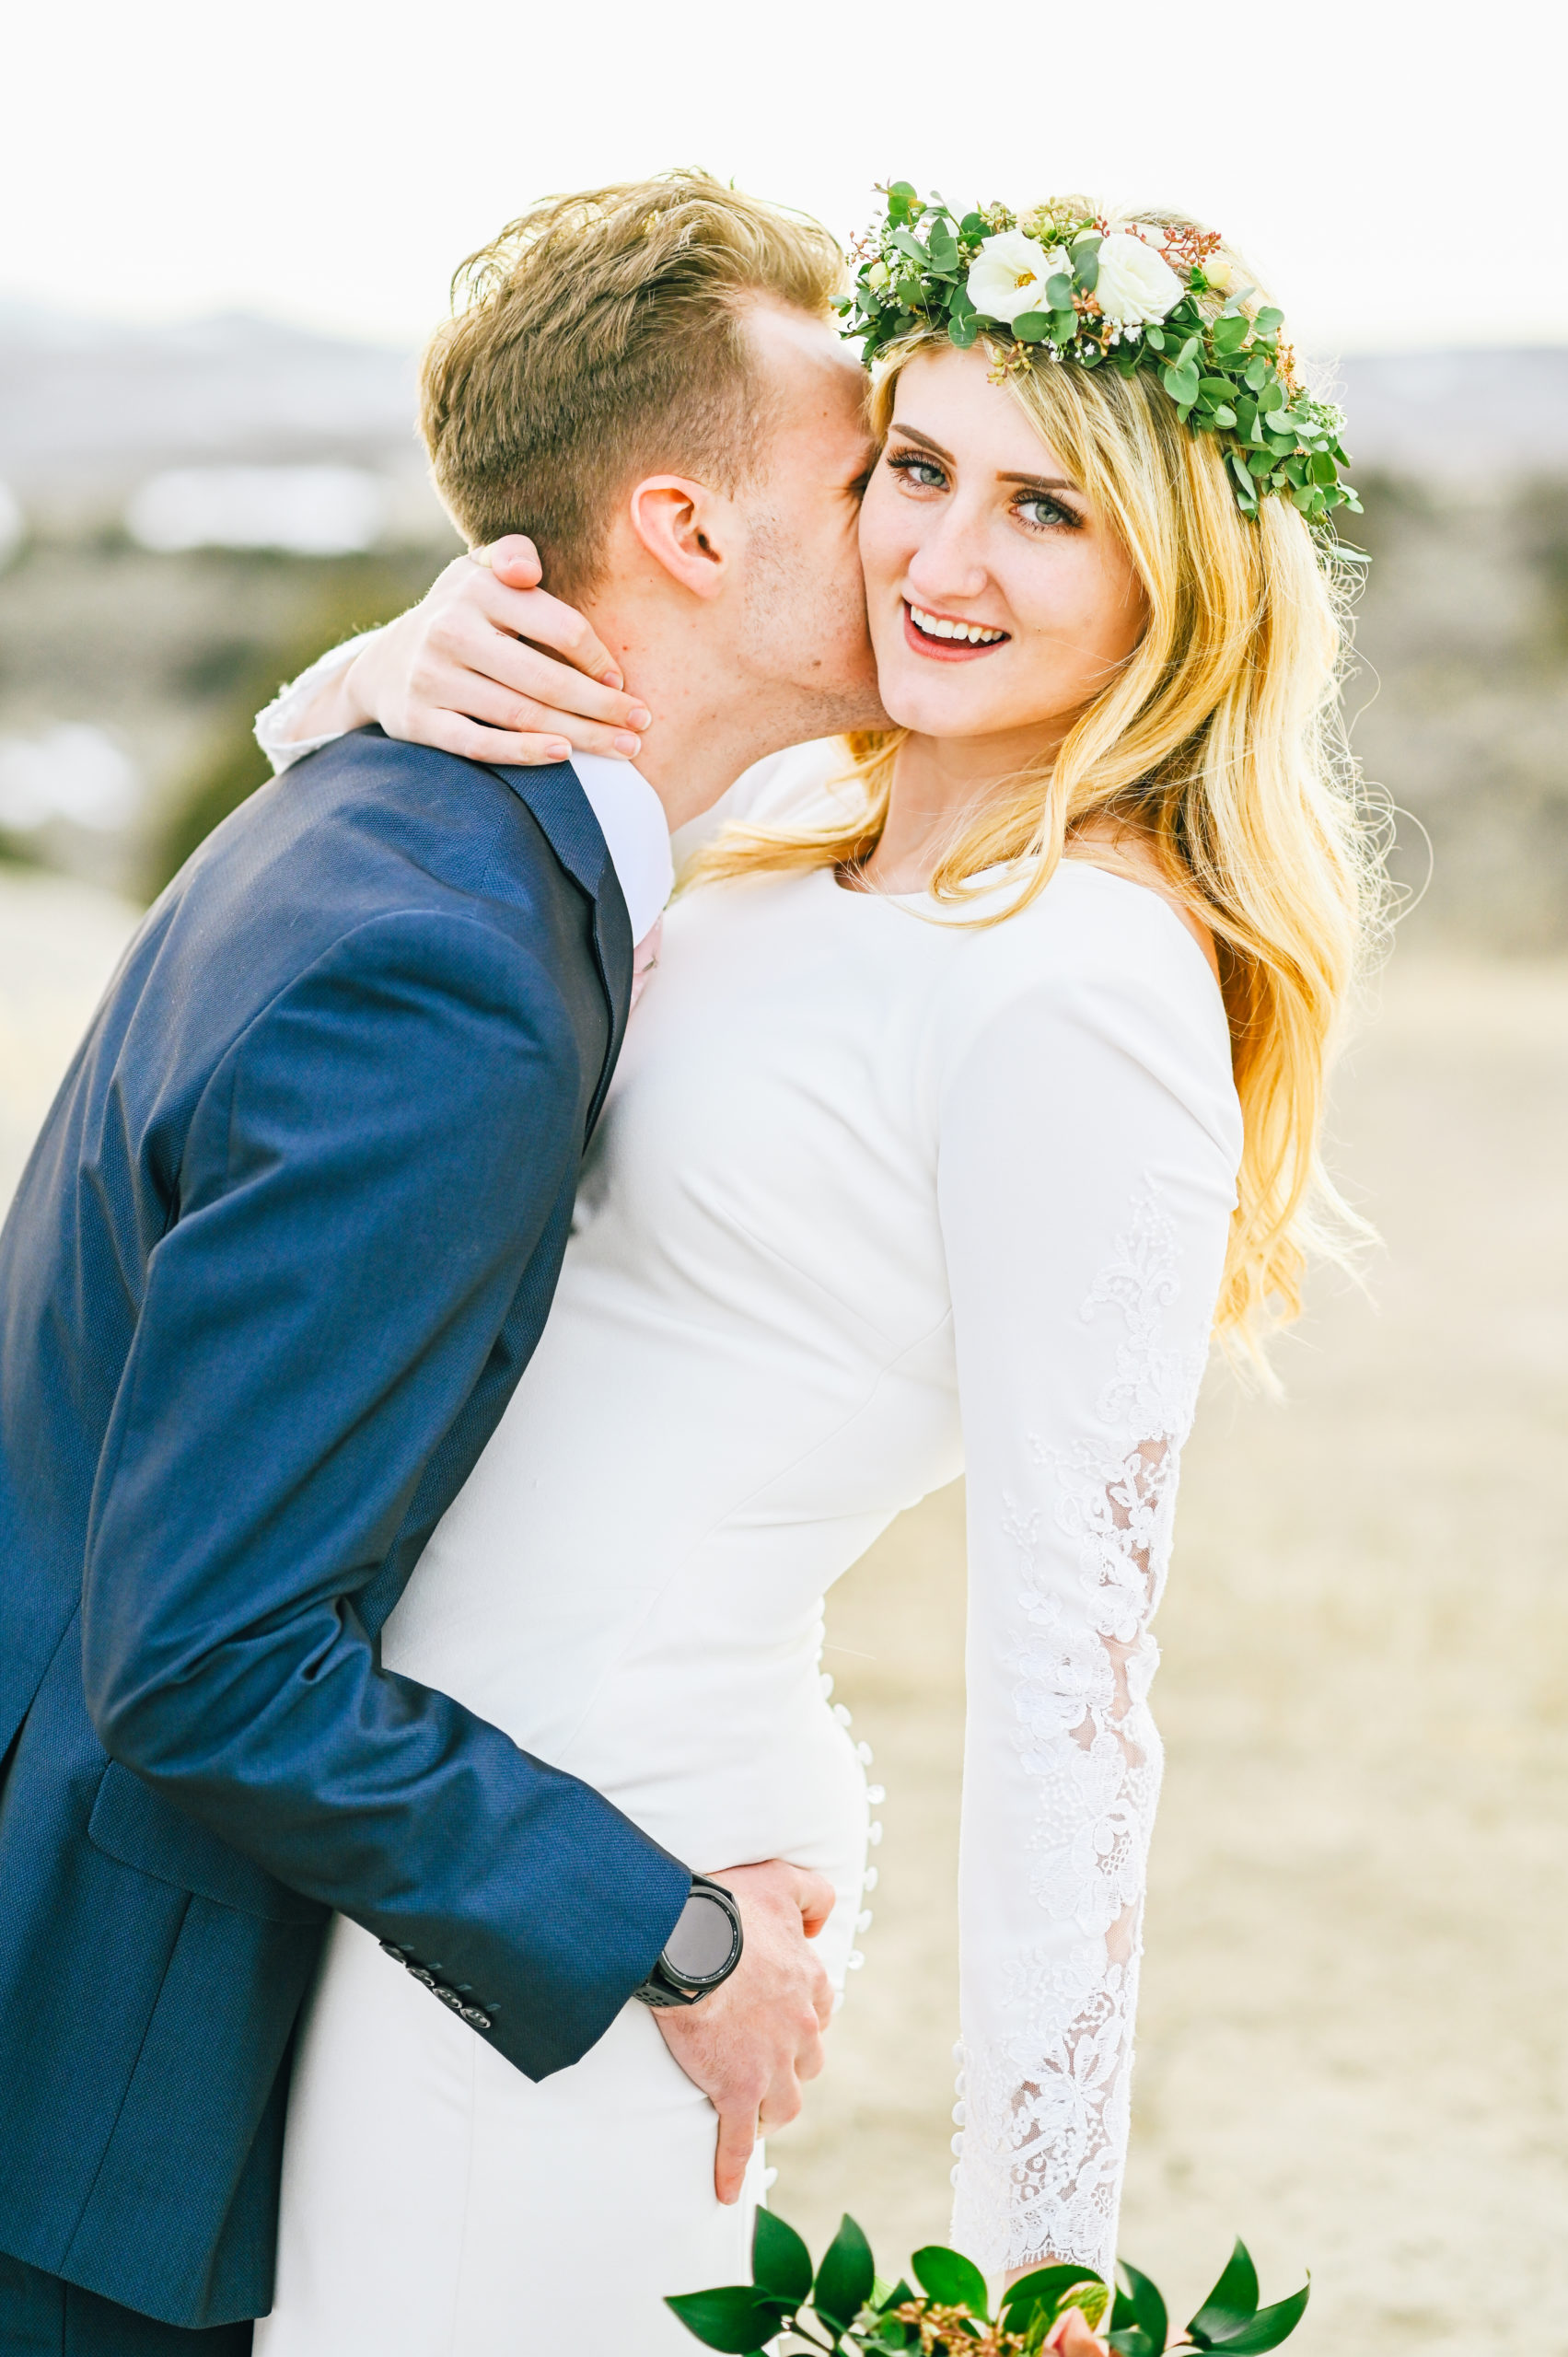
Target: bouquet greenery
(844, 2306)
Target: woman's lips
(943, 650)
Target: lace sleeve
(1089, 1144)
(277, 724)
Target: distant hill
(89, 408)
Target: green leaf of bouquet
(1086, 264)
(1270, 322)
(1269, 2327)
(1181, 384)
(845, 2277)
(1131, 2341)
(944, 252)
(1154, 339)
(962, 330)
(1058, 291)
(780, 2260)
(1148, 2307)
(1323, 468)
(883, 2297)
(1225, 417)
(1230, 332)
(948, 2276)
(1234, 2300)
(1065, 326)
(974, 225)
(732, 2318)
(1032, 327)
(1257, 372)
(1041, 2288)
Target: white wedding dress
(877, 1197)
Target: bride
(979, 1082)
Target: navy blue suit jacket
(283, 1248)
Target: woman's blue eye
(924, 472)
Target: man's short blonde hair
(598, 339)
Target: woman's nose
(947, 562)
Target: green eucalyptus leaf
(973, 226)
(1065, 326)
(1224, 418)
(1234, 2300)
(1086, 264)
(1218, 389)
(1032, 327)
(845, 2277)
(732, 2318)
(1323, 468)
(1229, 331)
(908, 243)
(1041, 2290)
(1270, 322)
(948, 2276)
(1257, 372)
(962, 331)
(1154, 339)
(1181, 384)
(780, 2260)
(1269, 2327)
(1148, 2308)
(1058, 291)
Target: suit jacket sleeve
(364, 1181)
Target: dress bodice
(878, 1191)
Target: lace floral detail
(1046, 2108)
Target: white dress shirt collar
(636, 833)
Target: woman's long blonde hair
(1219, 743)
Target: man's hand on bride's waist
(750, 2043)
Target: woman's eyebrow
(1041, 482)
(913, 434)
(1033, 483)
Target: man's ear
(687, 529)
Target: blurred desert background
(1354, 2039)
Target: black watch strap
(701, 1951)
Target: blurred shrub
(236, 674)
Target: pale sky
(1393, 172)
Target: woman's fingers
(532, 612)
(504, 712)
(465, 657)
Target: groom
(282, 1252)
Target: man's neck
(709, 723)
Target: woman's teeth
(934, 626)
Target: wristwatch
(701, 1952)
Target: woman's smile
(947, 638)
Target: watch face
(703, 1941)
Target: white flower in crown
(1008, 275)
(1136, 285)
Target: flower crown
(1060, 284)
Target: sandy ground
(1353, 2048)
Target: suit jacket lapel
(558, 801)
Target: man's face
(801, 607)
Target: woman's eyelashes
(1037, 511)
(1050, 511)
(917, 471)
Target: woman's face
(970, 520)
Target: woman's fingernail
(639, 716)
(558, 749)
(630, 745)
(613, 678)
